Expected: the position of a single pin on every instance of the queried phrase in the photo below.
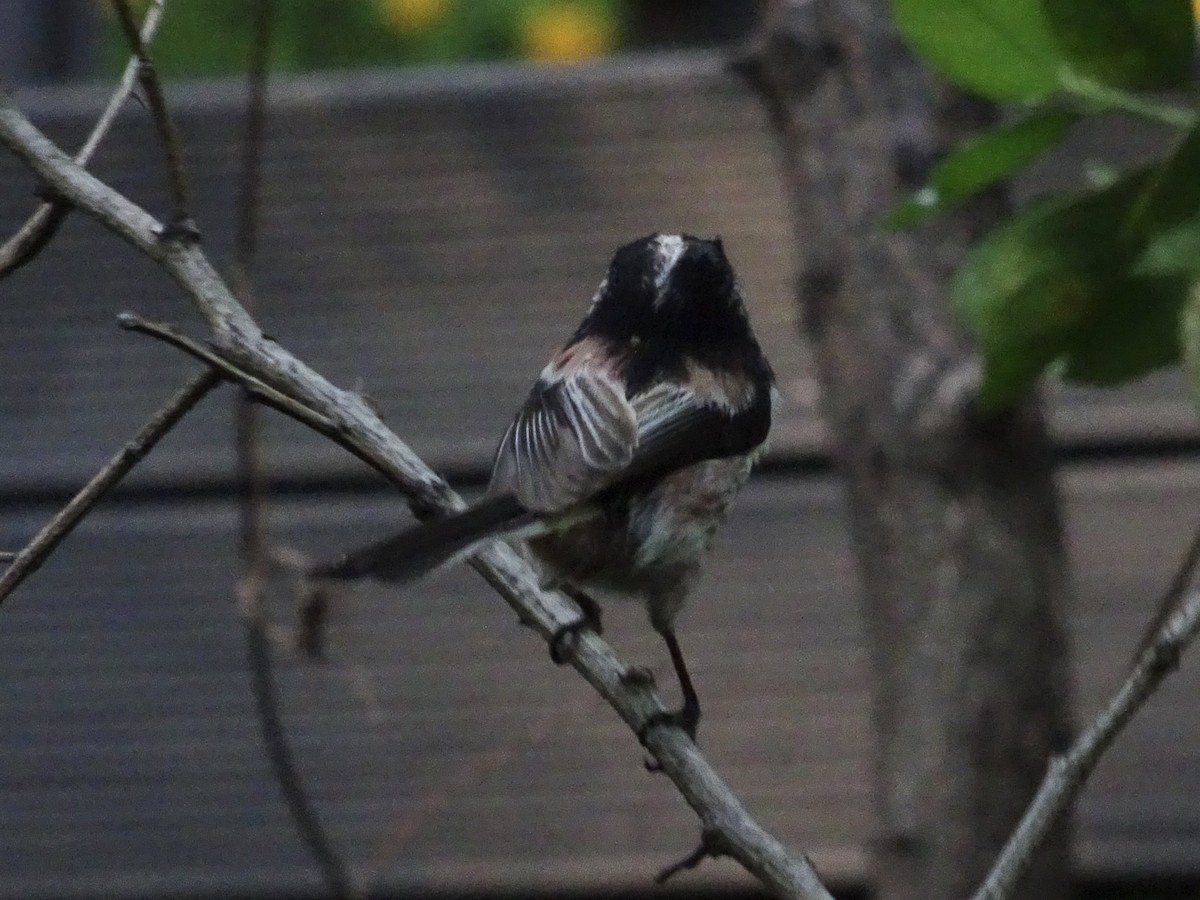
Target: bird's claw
(571, 629)
(687, 719)
(637, 677)
(589, 617)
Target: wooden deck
(433, 237)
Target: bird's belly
(649, 543)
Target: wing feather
(677, 427)
(577, 435)
(572, 438)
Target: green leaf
(1033, 275)
(1032, 285)
(1172, 194)
(1096, 281)
(1189, 334)
(980, 163)
(1011, 369)
(1137, 44)
(1002, 49)
(1175, 251)
(1133, 328)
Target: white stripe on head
(667, 250)
(599, 293)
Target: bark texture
(954, 517)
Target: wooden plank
(440, 739)
(431, 238)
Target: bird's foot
(589, 617)
(686, 718)
(637, 677)
(561, 633)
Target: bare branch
(239, 340)
(39, 228)
(263, 393)
(1068, 773)
(1172, 627)
(29, 559)
(182, 226)
(1172, 596)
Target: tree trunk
(954, 517)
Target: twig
(39, 228)
(182, 226)
(262, 392)
(1175, 591)
(252, 491)
(283, 762)
(28, 560)
(245, 239)
(239, 339)
(251, 476)
(709, 847)
(1068, 773)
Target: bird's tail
(422, 548)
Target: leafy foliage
(1175, 251)
(983, 161)
(1143, 44)
(1093, 281)
(1002, 50)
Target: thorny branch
(39, 228)
(28, 560)
(237, 338)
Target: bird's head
(669, 287)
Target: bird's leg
(687, 716)
(589, 617)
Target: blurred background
(50, 40)
(443, 184)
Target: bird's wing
(678, 427)
(574, 436)
(578, 436)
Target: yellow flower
(566, 32)
(1196, 9)
(410, 16)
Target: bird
(624, 459)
